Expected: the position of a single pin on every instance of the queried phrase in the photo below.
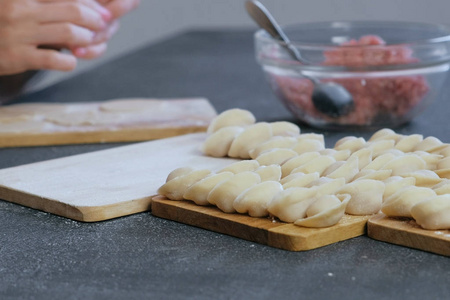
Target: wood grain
(104, 184)
(260, 230)
(160, 119)
(405, 232)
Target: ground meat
(377, 99)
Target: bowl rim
(262, 35)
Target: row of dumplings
(391, 172)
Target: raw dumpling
(291, 204)
(396, 183)
(431, 160)
(241, 166)
(341, 169)
(272, 143)
(275, 156)
(430, 144)
(175, 188)
(269, 173)
(318, 164)
(405, 164)
(307, 145)
(379, 161)
(433, 213)
(179, 172)
(400, 203)
(198, 192)
(338, 155)
(247, 140)
(351, 143)
(231, 117)
(312, 136)
(255, 199)
(297, 161)
(409, 143)
(373, 174)
(424, 178)
(218, 144)
(327, 186)
(283, 128)
(366, 196)
(443, 187)
(385, 134)
(299, 180)
(325, 211)
(380, 146)
(224, 194)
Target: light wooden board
(120, 120)
(261, 230)
(104, 184)
(406, 232)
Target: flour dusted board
(261, 230)
(120, 120)
(104, 184)
(406, 232)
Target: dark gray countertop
(43, 256)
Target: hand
(117, 8)
(31, 29)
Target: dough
(272, 143)
(218, 144)
(241, 166)
(299, 180)
(276, 156)
(199, 191)
(283, 128)
(231, 117)
(174, 189)
(255, 199)
(291, 204)
(269, 173)
(400, 203)
(247, 140)
(366, 196)
(288, 166)
(433, 213)
(224, 194)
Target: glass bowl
(393, 70)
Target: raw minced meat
(376, 99)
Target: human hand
(117, 8)
(30, 30)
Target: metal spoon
(329, 98)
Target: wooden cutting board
(120, 120)
(260, 230)
(406, 232)
(105, 184)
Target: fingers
(45, 59)
(90, 52)
(74, 13)
(120, 7)
(62, 34)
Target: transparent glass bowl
(393, 70)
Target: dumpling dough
(275, 156)
(247, 140)
(401, 202)
(351, 143)
(299, 180)
(341, 169)
(179, 172)
(396, 183)
(385, 134)
(288, 166)
(241, 166)
(318, 164)
(373, 174)
(326, 211)
(218, 143)
(272, 143)
(405, 164)
(283, 128)
(409, 143)
(255, 199)
(434, 213)
(269, 173)
(291, 204)
(307, 145)
(224, 194)
(199, 191)
(366, 196)
(231, 117)
(175, 188)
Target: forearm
(13, 85)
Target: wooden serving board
(260, 230)
(120, 120)
(406, 232)
(104, 184)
